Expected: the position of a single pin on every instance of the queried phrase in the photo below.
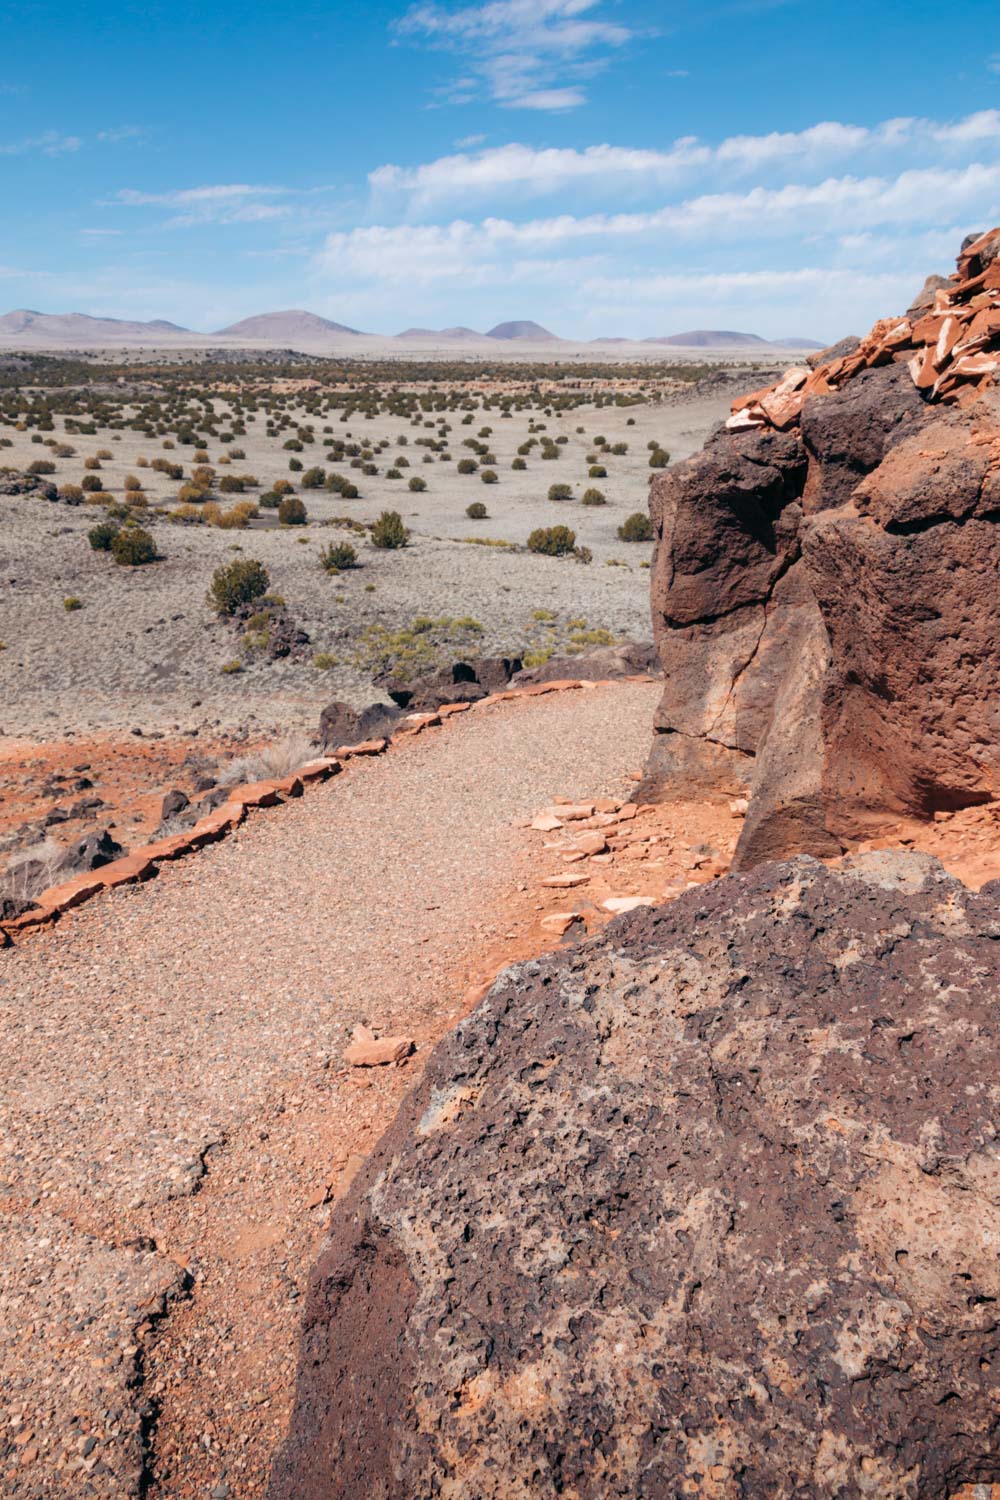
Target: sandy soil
(144, 650)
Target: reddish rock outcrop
(826, 585)
(703, 1207)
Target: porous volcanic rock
(826, 587)
(707, 1206)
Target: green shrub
(553, 541)
(338, 557)
(292, 445)
(71, 603)
(476, 511)
(488, 476)
(597, 471)
(659, 458)
(636, 528)
(466, 466)
(70, 494)
(560, 492)
(132, 547)
(42, 466)
(237, 583)
(295, 465)
(292, 512)
(593, 497)
(230, 484)
(417, 485)
(313, 479)
(282, 487)
(519, 463)
(388, 532)
(102, 535)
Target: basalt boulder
(826, 586)
(707, 1206)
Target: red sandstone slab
(447, 709)
(257, 794)
(364, 747)
(132, 869)
(73, 892)
(320, 769)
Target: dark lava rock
(706, 1207)
(340, 724)
(28, 484)
(175, 801)
(93, 851)
(632, 659)
(461, 682)
(826, 605)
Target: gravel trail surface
(175, 1116)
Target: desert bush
(64, 450)
(188, 515)
(659, 458)
(236, 517)
(476, 511)
(338, 557)
(102, 535)
(560, 492)
(71, 494)
(597, 471)
(203, 475)
(237, 583)
(105, 453)
(132, 547)
(488, 476)
(593, 497)
(620, 449)
(292, 445)
(553, 541)
(230, 484)
(466, 466)
(417, 485)
(283, 487)
(636, 528)
(132, 482)
(292, 512)
(519, 463)
(313, 479)
(295, 466)
(42, 466)
(91, 463)
(190, 494)
(71, 603)
(237, 453)
(393, 474)
(388, 532)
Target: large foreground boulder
(826, 585)
(705, 1207)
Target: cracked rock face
(705, 1207)
(826, 603)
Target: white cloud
(543, 170)
(837, 206)
(529, 54)
(48, 144)
(215, 193)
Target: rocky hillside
(694, 1209)
(825, 594)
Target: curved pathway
(174, 1115)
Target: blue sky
(612, 167)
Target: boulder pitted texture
(706, 1207)
(826, 588)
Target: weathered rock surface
(707, 1206)
(597, 664)
(826, 587)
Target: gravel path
(174, 1115)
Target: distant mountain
(522, 330)
(80, 328)
(709, 338)
(284, 327)
(728, 338)
(439, 333)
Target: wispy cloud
(546, 170)
(50, 143)
(215, 203)
(524, 54)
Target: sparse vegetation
(238, 583)
(388, 532)
(553, 541)
(636, 528)
(132, 547)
